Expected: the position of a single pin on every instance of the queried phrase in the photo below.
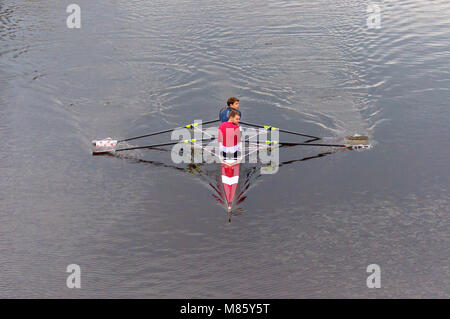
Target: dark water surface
(140, 229)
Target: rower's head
(235, 117)
(233, 102)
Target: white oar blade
(361, 147)
(104, 146)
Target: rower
(233, 104)
(230, 135)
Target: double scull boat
(230, 168)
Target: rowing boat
(229, 168)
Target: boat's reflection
(211, 177)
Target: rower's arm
(238, 135)
(220, 136)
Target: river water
(139, 227)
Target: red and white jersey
(229, 137)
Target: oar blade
(104, 146)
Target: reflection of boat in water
(229, 195)
(230, 170)
(233, 177)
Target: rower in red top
(230, 135)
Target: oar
(314, 144)
(192, 141)
(162, 132)
(281, 130)
(359, 146)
